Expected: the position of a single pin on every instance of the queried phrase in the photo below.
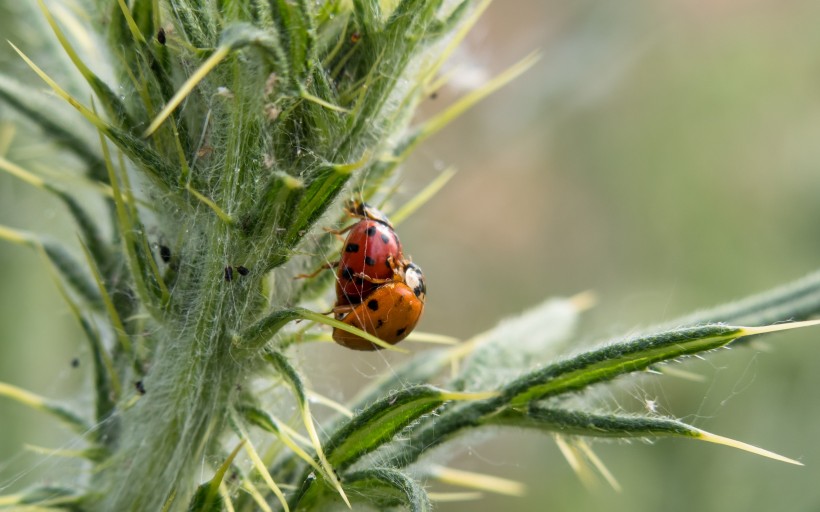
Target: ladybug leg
(326, 266)
(341, 311)
(337, 233)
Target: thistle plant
(218, 140)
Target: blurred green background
(665, 155)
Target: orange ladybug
(390, 312)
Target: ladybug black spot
(385, 238)
(373, 304)
(165, 253)
(379, 323)
(369, 261)
(371, 231)
(348, 273)
(352, 248)
(401, 331)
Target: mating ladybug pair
(377, 289)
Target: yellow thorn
(443, 497)
(584, 301)
(439, 121)
(478, 481)
(422, 197)
(260, 467)
(576, 461)
(22, 396)
(749, 331)
(88, 114)
(257, 496)
(129, 20)
(15, 236)
(427, 337)
(319, 101)
(732, 443)
(352, 166)
(333, 404)
(207, 66)
(307, 418)
(316, 317)
(210, 204)
(599, 465)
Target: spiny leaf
(40, 109)
(110, 101)
(206, 498)
(381, 421)
(60, 498)
(39, 403)
(797, 300)
(106, 380)
(265, 421)
(113, 314)
(292, 378)
(575, 374)
(539, 333)
(615, 425)
(616, 359)
(94, 453)
(157, 168)
(384, 488)
(69, 268)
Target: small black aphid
(161, 36)
(165, 253)
(75, 363)
(140, 387)
(229, 273)
(243, 271)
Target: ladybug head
(363, 210)
(414, 278)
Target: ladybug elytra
(390, 312)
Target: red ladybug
(369, 255)
(370, 252)
(390, 312)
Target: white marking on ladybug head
(415, 280)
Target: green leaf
(518, 344)
(71, 419)
(60, 498)
(561, 421)
(67, 266)
(57, 128)
(797, 300)
(207, 498)
(384, 488)
(380, 422)
(610, 361)
(292, 377)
